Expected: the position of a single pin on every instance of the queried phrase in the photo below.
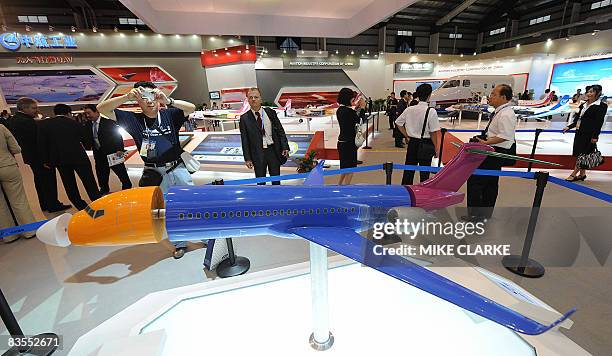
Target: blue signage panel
(567, 77)
(13, 41)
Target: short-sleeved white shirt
(413, 117)
(503, 125)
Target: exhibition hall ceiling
(313, 18)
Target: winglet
(315, 177)
(559, 321)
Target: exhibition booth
(294, 288)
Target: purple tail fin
(457, 170)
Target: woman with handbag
(348, 119)
(419, 124)
(588, 122)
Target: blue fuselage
(210, 212)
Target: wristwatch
(171, 103)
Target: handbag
(590, 160)
(359, 134)
(426, 149)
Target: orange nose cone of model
(122, 218)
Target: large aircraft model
(223, 113)
(328, 215)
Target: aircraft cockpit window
(451, 84)
(94, 213)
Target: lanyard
(149, 130)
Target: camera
(475, 138)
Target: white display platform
(269, 313)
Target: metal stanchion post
(367, 147)
(443, 130)
(523, 265)
(533, 149)
(388, 168)
(321, 338)
(51, 340)
(233, 265)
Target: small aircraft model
(328, 215)
(561, 107)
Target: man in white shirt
(482, 190)
(423, 138)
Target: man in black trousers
(103, 137)
(392, 110)
(264, 143)
(61, 145)
(26, 130)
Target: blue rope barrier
(522, 130)
(582, 189)
(21, 228)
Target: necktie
(95, 135)
(260, 124)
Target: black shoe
(359, 162)
(179, 252)
(60, 207)
(473, 218)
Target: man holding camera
(156, 133)
(499, 133)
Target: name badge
(148, 149)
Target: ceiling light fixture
(518, 45)
(352, 52)
(72, 28)
(439, 54)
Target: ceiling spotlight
(549, 40)
(231, 40)
(94, 29)
(473, 54)
(336, 51)
(368, 53)
(518, 45)
(72, 28)
(567, 38)
(101, 34)
(121, 35)
(461, 55)
(352, 52)
(227, 53)
(194, 36)
(381, 53)
(216, 55)
(115, 29)
(159, 35)
(177, 36)
(320, 51)
(594, 32)
(247, 51)
(239, 51)
(213, 38)
(141, 35)
(439, 54)
(284, 51)
(225, 48)
(302, 51)
(247, 47)
(136, 29)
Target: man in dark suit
(26, 131)
(61, 145)
(103, 137)
(264, 143)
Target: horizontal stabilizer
(347, 242)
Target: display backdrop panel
(567, 77)
(137, 74)
(227, 148)
(50, 86)
(124, 89)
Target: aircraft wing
(347, 242)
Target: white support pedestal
(321, 338)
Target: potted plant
(307, 163)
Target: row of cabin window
(280, 212)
